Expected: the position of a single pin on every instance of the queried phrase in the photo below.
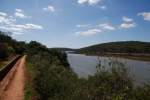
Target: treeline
(118, 47)
(9, 46)
(64, 49)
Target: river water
(84, 66)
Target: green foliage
(20, 47)
(142, 93)
(52, 74)
(9, 46)
(29, 91)
(114, 84)
(5, 50)
(4, 37)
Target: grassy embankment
(30, 93)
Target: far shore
(134, 56)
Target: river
(84, 66)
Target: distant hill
(117, 47)
(64, 49)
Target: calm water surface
(84, 66)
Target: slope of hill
(118, 47)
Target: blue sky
(76, 23)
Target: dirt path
(15, 88)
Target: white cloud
(107, 26)
(20, 14)
(103, 7)
(95, 29)
(3, 14)
(8, 23)
(50, 8)
(127, 19)
(20, 28)
(13, 30)
(89, 32)
(19, 10)
(146, 15)
(33, 26)
(83, 25)
(3, 20)
(28, 26)
(6, 20)
(104, 27)
(89, 2)
(82, 1)
(127, 25)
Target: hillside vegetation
(118, 47)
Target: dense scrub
(53, 78)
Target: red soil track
(15, 87)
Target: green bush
(5, 50)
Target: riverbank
(133, 56)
